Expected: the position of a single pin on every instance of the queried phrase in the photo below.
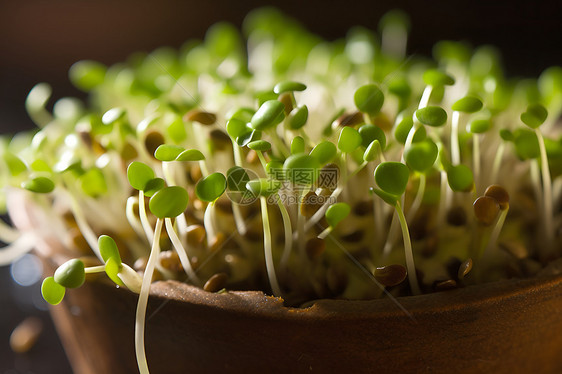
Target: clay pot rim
(258, 304)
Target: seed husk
(464, 268)
(221, 141)
(486, 209)
(204, 118)
(152, 141)
(390, 275)
(216, 243)
(350, 119)
(171, 261)
(499, 194)
(310, 204)
(446, 285)
(286, 99)
(195, 235)
(216, 283)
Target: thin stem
(288, 232)
(497, 162)
(203, 167)
(476, 160)
(443, 199)
(16, 249)
(180, 250)
(412, 276)
(7, 233)
(418, 199)
(455, 149)
(143, 299)
(131, 217)
(496, 232)
(325, 232)
(209, 224)
(84, 226)
(144, 218)
(547, 192)
(268, 250)
(95, 269)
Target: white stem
(496, 232)
(536, 181)
(7, 233)
(425, 97)
(418, 199)
(203, 167)
(443, 199)
(288, 232)
(131, 217)
(94, 269)
(412, 276)
(239, 219)
(268, 250)
(497, 162)
(180, 250)
(84, 227)
(325, 233)
(476, 160)
(316, 217)
(455, 149)
(209, 224)
(392, 232)
(144, 218)
(547, 192)
(237, 154)
(168, 173)
(143, 299)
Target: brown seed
(390, 275)
(315, 247)
(152, 141)
(216, 283)
(486, 209)
(382, 121)
(217, 242)
(224, 206)
(456, 216)
(25, 335)
(128, 152)
(310, 204)
(204, 118)
(350, 119)
(220, 140)
(464, 268)
(445, 285)
(287, 100)
(499, 194)
(195, 173)
(252, 157)
(171, 261)
(195, 235)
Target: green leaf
(112, 269)
(93, 183)
(168, 152)
(169, 202)
(87, 74)
(437, 78)
(433, 116)
(372, 151)
(108, 248)
(460, 178)
(243, 115)
(400, 87)
(403, 129)
(153, 185)
(236, 127)
(268, 115)
(190, 155)
(260, 145)
(301, 169)
(263, 186)
(421, 156)
(70, 274)
(52, 292)
(534, 116)
(211, 187)
(236, 179)
(371, 132)
(369, 99)
(387, 198)
(298, 117)
(39, 185)
(468, 104)
(15, 164)
(336, 213)
(324, 152)
(526, 144)
(349, 139)
(288, 86)
(248, 137)
(506, 135)
(176, 130)
(297, 145)
(392, 177)
(479, 126)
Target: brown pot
(505, 327)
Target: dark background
(39, 40)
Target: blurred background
(39, 41)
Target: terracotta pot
(504, 327)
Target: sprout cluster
(304, 168)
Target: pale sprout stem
(496, 232)
(180, 250)
(95, 269)
(288, 232)
(412, 276)
(325, 233)
(476, 160)
(237, 154)
(84, 227)
(316, 217)
(204, 168)
(239, 219)
(7, 233)
(418, 199)
(209, 224)
(144, 218)
(443, 199)
(536, 181)
(143, 299)
(547, 192)
(16, 249)
(390, 238)
(168, 173)
(455, 149)
(425, 97)
(268, 250)
(181, 223)
(131, 217)
(497, 162)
